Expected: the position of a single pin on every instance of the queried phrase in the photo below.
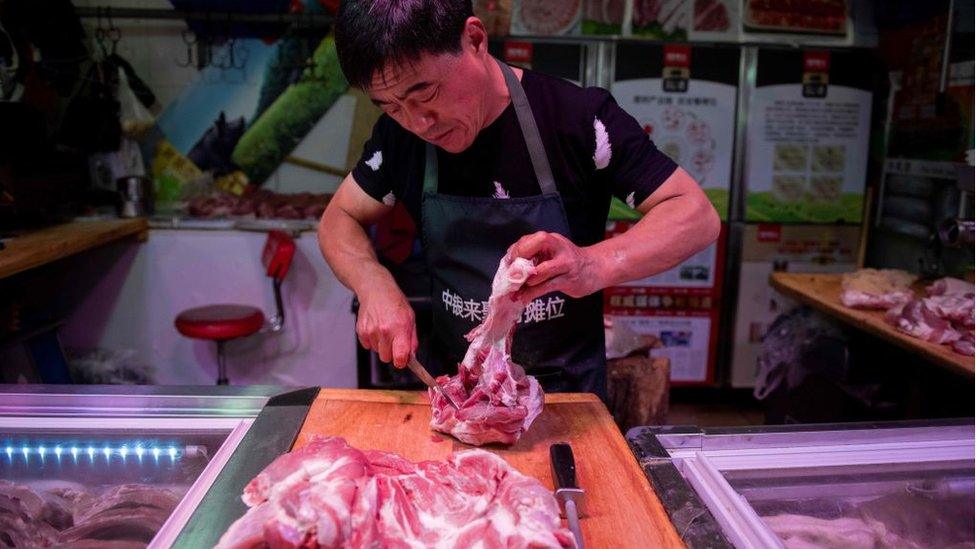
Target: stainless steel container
(135, 196)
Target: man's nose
(420, 120)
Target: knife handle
(563, 465)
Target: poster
(685, 99)
(807, 137)
(773, 247)
(678, 309)
(712, 20)
(546, 17)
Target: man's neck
(498, 98)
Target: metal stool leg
(221, 364)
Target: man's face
(439, 98)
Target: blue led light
(42, 451)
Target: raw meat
(121, 516)
(498, 402)
(711, 15)
(259, 203)
(917, 318)
(803, 532)
(876, 289)
(329, 494)
(945, 317)
(949, 285)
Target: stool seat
(220, 322)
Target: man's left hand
(561, 266)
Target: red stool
(224, 322)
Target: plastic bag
(135, 118)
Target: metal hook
(190, 39)
(114, 33)
(100, 33)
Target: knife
(568, 493)
(424, 375)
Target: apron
(559, 339)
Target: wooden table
(36, 248)
(822, 292)
(622, 508)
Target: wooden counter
(36, 248)
(622, 508)
(822, 292)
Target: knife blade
(421, 372)
(568, 493)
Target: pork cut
(876, 288)
(498, 401)
(945, 317)
(329, 494)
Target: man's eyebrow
(414, 88)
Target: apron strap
(530, 132)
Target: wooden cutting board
(622, 508)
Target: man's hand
(386, 324)
(561, 266)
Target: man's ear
(475, 36)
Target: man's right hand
(386, 324)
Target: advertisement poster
(807, 137)
(678, 310)
(555, 59)
(685, 99)
(685, 19)
(791, 248)
(546, 17)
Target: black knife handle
(563, 465)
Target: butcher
(490, 160)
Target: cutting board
(622, 509)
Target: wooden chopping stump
(637, 390)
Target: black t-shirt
(572, 121)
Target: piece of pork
(328, 494)
(498, 401)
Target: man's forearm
(671, 232)
(349, 252)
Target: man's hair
(373, 34)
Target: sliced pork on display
(127, 515)
(498, 401)
(876, 288)
(329, 494)
(945, 317)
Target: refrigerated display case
(128, 466)
(905, 484)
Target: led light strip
(92, 452)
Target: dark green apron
(560, 339)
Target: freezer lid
(761, 484)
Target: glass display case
(843, 486)
(114, 467)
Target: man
(490, 159)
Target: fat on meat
(876, 288)
(498, 401)
(329, 494)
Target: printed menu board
(685, 99)
(807, 137)
(676, 312)
(769, 247)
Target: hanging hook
(114, 33)
(100, 33)
(190, 39)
